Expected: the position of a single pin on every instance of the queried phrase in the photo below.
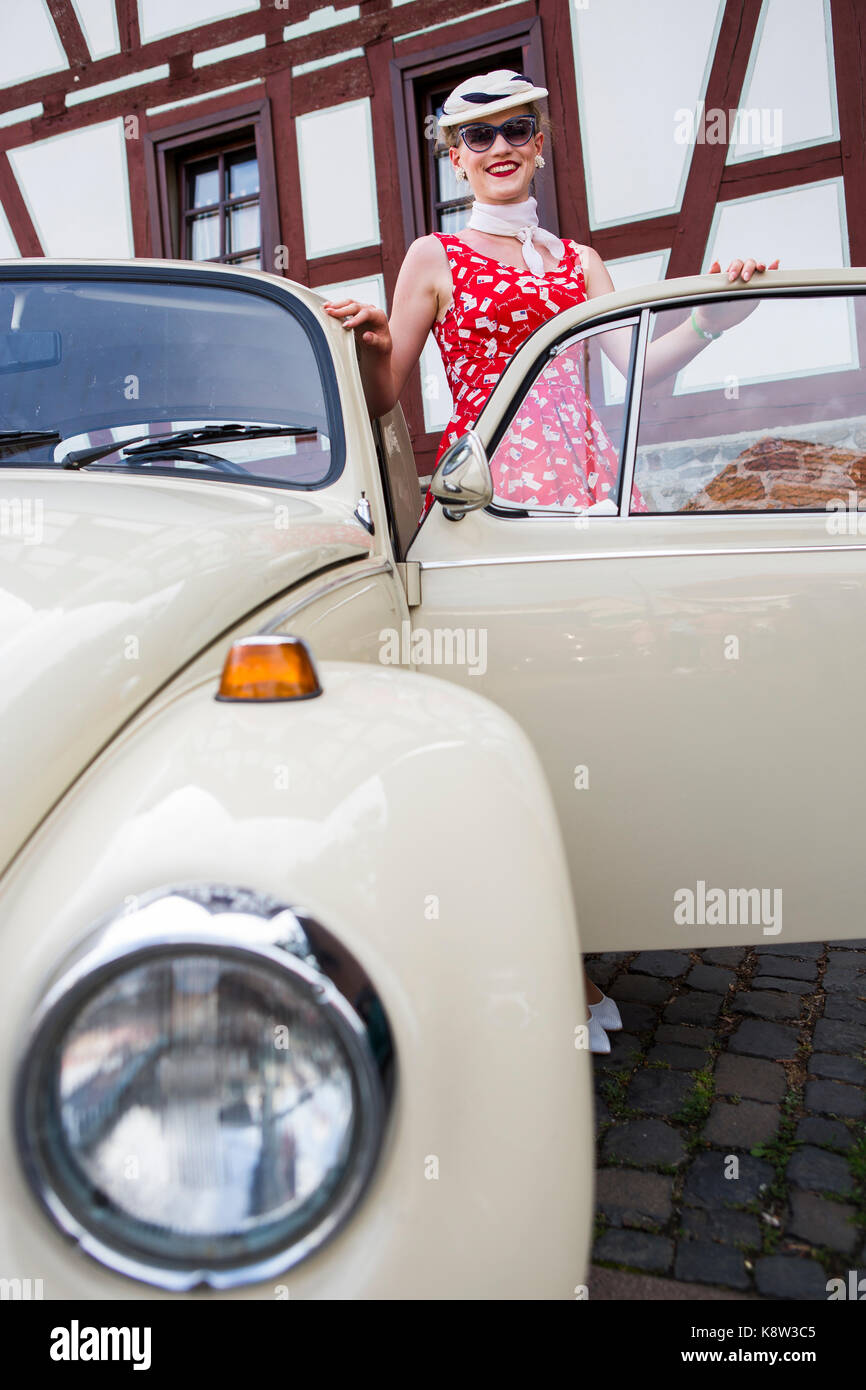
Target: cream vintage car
(309, 811)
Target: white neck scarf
(519, 220)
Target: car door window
(769, 417)
(562, 448)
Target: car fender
(411, 817)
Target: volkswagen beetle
(310, 810)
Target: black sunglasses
(479, 137)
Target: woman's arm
(389, 349)
(667, 354)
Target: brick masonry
(731, 1118)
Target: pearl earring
(459, 172)
(539, 161)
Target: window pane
(243, 175)
(563, 446)
(243, 228)
(450, 187)
(803, 227)
(791, 438)
(208, 355)
(454, 219)
(204, 187)
(205, 236)
(626, 273)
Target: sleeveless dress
(556, 453)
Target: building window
(220, 207)
(212, 189)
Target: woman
(483, 292)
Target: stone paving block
(822, 1223)
(837, 1067)
(814, 1129)
(790, 1276)
(693, 1006)
(859, 945)
(833, 1035)
(807, 950)
(756, 1038)
(645, 1141)
(629, 1198)
(711, 978)
(766, 1004)
(800, 987)
(787, 968)
(621, 1057)
(701, 1262)
(602, 976)
(741, 1126)
(637, 1018)
(605, 957)
(845, 1008)
(633, 1248)
(658, 1091)
(835, 1098)
(819, 1171)
(726, 1226)
(680, 1058)
(749, 1077)
(643, 989)
(666, 964)
(707, 1186)
(844, 982)
(684, 1034)
(724, 955)
(838, 955)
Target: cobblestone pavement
(756, 1052)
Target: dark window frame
(786, 392)
(413, 77)
(169, 149)
(191, 212)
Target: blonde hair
(449, 137)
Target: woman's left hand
(715, 318)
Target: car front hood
(109, 585)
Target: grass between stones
(857, 1165)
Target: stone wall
(776, 467)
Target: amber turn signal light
(269, 668)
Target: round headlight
(199, 1102)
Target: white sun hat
(487, 93)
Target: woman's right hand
(369, 323)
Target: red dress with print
(556, 452)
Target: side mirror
(463, 481)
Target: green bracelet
(708, 337)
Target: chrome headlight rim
(246, 926)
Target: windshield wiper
(27, 437)
(157, 443)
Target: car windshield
(87, 362)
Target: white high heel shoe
(606, 1013)
(598, 1039)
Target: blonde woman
(483, 291)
